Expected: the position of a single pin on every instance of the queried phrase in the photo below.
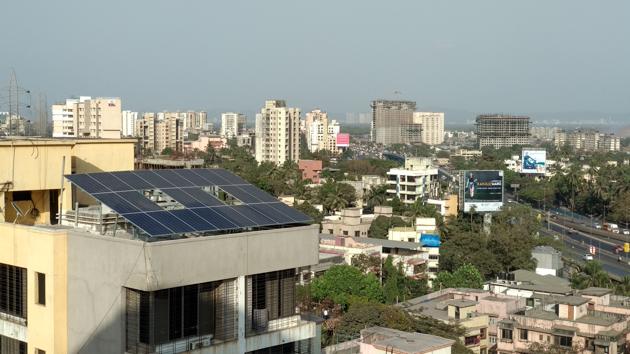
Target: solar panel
(122, 192)
(212, 178)
(272, 213)
(174, 223)
(174, 178)
(258, 193)
(191, 176)
(252, 214)
(215, 218)
(155, 180)
(133, 180)
(139, 201)
(283, 209)
(148, 224)
(87, 183)
(240, 194)
(192, 219)
(116, 203)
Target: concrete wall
(99, 267)
(43, 251)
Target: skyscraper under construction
(502, 130)
(392, 123)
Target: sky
(462, 57)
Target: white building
(321, 133)
(432, 126)
(232, 124)
(129, 120)
(277, 133)
(99, 117)
(410, 185)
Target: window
(345, 232)
(523, 335)
(506, 334)
(493, 339)
(39, 351)
(472, 340)
(540, 337)
(357, 233)
(482, 333)
(21, 195)
(11, 346)
(564, 341)
(330, 231)
(40, 278)
(270, 296)
(13, 290)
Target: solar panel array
(203, 212)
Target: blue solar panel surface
(203, 212)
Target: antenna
(16, 124)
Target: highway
(577, 244)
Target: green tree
(466, 276)
(377, 195)
(167, 151)
(592, 274)
(623, 287)
(381, 225)
(367, 263)
(342, 283)
(311, 211)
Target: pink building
(202, 143)
(311, 169)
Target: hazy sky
(494, 56)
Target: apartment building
(195, 121)
(587, 140)
(352, 221)
(233, 124)
(160, 131)
(381, 340)
(393, 123)
(277, 133)
(311, 170)
(432, 126)
(502, 130)
(320, 132)
(131, 264)
(591, 322)
(129, 121)
(418, 180)
(99, 117)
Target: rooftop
(184, 202)
(403, 342)
(594, 291)
(461, 303)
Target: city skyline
(522, 69)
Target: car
(587, 257)
(597, 226)
(626, 232)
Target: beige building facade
(277, 133)
(88, 117)
(233, 124)
(321, 133)
(432, 126)
(160, 131)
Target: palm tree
(377, 195)
(623, 288)
(592, 274)
(575, 181)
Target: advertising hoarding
(343, 140)
(534, 161)
(483, 190)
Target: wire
(115, 300)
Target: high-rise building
(129, 120)
(161, 131)
(195, 121)
(432, 126)
(169, 265)
(587, 140)
(99, 117)
(392, 123)
(277, 133)
(233, 124)
(320, 132)
(502, 130)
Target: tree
(167, 151)
(623, 288)
(367, 263)
(381, 225)
(377, 195)
(547, 348)
(311, 211)
(592, 274)
(466, 276)
(344, 284)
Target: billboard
(483, 190)
(534, 161)
(343, 140)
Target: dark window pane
(190, 310)
(175, 313)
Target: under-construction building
(392, 123)
(502, 130)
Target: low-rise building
(352, 221)
(310, 169)
(525, 283)
(380, 340)
(413, 183)
(449, 206)
(548, 260)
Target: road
(577, 244)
